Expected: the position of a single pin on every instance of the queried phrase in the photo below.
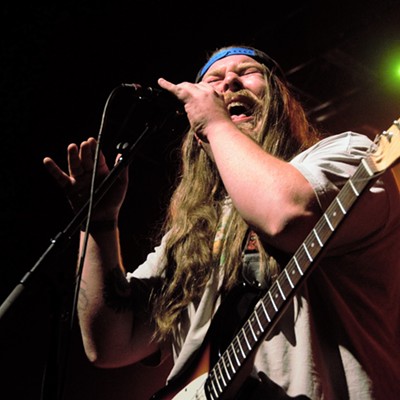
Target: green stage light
(390, 71)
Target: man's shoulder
(345, 139)
(338, 145)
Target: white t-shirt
(339, 338)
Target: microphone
(158, 96)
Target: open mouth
(241, 109)
(238, 108)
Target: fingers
(80, 160)
(62, 179)
(86, 155)
(185, 91)
(180, 91)
(75, 168)
(76, 181)
(167, 85)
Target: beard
(253, 107)
(247, 127)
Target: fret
(210, 387)
(350, 193)
(226, 369)
(335, 215)
(367, 167)
(351, 184)
(341, 206)
(231, 363)
(328, 222)
(318, 238)
(261, 318)
(220, 375)
(261, 328)
(240, 348)
(278, 301)
(297, 265)
(265, 311)
(234, 352)
(245, 338)
(323, 231)
(272, 301)
(230, 368)
(293, 271)
(214, 388)
(284, 285)
(217, 381)
(314, 244)
(288, 278)
(307, 252)
(312, 248)
(362, 176)
(280, 289)
(254, 319)
(252, 332)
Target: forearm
(270, 194)
(106, 313)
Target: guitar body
(226, 322)
(190, 385)
(194, 390)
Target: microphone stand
(52, 388)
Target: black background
(60, 62)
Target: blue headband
(256, 54)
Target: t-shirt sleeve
(328, 166)
(331, 162)
(153, 266)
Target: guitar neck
(270, 308)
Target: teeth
(238, 104)
(239, 108)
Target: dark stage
(60, 62)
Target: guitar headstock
(386, 151)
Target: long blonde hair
(196, 205)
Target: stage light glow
(390, 71)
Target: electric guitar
(224, 378)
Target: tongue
(238, 117)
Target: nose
(232, 82)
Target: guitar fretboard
(271, 306)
